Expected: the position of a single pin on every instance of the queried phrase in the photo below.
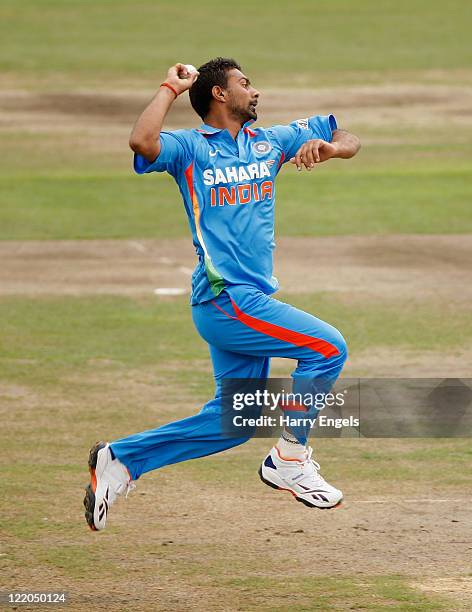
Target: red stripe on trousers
(281, 333)
(294, 407)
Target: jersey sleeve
(292, 136)
(175, 155)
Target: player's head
(221, 82)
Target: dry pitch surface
(387, 269)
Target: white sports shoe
(301, 478)
(109, 478)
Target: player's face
(243, 97)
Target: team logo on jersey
(261, 147)
(303, 123)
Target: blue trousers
(244, 328)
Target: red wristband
(169, 87)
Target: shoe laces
(309, 461)
(311, 468)
(125, 488)
(129, 487)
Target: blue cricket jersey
(228, 191)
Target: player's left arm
(343, 145)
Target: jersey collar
(210, 129)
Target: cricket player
(226, 172)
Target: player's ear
(218, 93)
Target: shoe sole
(89, 499)
(299, 499)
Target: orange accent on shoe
(93, 479)
(286, 458)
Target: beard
(244, 113)
(252, 113)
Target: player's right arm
(145, 137)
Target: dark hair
(214, 72)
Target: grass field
(98, 42)
(87, 351)
(382, 201)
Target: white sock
(289, 447)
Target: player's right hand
(180, 78)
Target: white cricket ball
(190, 68)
